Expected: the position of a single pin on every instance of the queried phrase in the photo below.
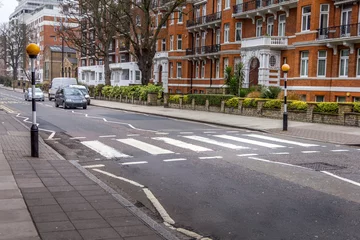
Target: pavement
(51, 198)
(312, 131)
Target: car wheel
(56, 104)
(84, 107)
(64, 105)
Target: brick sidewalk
(63, 202)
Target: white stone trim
(325, 89)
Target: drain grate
(321, 166)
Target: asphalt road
(219, 182)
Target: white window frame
(304, 60)
(138, 20)
(203, 38)
(197, 69)
(203, 64)
(172, 17)
(171, 42)
(226, 64)
(346, 63)
(178, 70)
(305, 19)
(227, 4)
(270, 26)
(259, 23)
(180, 17)
(238, 28)
(163, 45)
(171, 73)
(358, 63)
(282, 25)
(318, 62)
(204, 10)
(217, 68)
(323, 98)
(218, 36)
(324, 12)
(226, 33)
(218, 6)
(179, 41)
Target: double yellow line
(5, 108)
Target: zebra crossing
(130, 147)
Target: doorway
(254, 72)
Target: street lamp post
(33, 50)
(285, 68)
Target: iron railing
(203, 49)
(255, 4)
(204, 19)
(347, 30)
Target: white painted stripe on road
(248, 141)
(162, 133)
(94, 166)
(161, 210)
(107, 136)
(174, 160)
(186, 132)
(282, 140)
(247, 155)
(211, 141)
(281, 153)
(214, 157)
(340, 150)
(182, 144)
(209, 132)
(310, 151)
(232, 131)
(133, 135)
(154, 150)
(104, 150)
(133, 163)
(280, 163)
(341, 178)
(120, 178)
(73, 138)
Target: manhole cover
(321, 166)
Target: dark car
(70, 98)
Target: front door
(254, 72)
(160, 74)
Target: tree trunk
(145, 64)
(14, 77)
(107, 71)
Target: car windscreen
(84, 91)
(72, 92)
(38, 90)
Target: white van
(56, 83)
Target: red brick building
(319, 39)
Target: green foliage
(290, 96)
(298, 105)
(327, 107)
(357, 107)
(228, 75)
(233, 85)
(186, 99)
(232, 102)
(106, 90)
(250, 103)
(91, 90)
(244, 92)
(136, 91)
(43, 86)
(214, 99)
(98, 89)
(174, 99)
(7, 81)
(270, 92)
(255, 88)
(273, 104)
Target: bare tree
(15, 37)
(88, 31)
(139, 22)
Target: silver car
(39, 95)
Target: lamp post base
(285, 122)
(34, 136)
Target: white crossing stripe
(174, 160)
(94, 166)
(340, 150)
(104, 150)
(244, 140)
(281, 153)
(281, 140)
(214, 157)
(310, 151)
(247, 155)
(182, 144)
(133, 163)
(154, 150)
(211, 141)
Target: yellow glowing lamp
(32, 50)
(285, 67)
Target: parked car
(56, 83)
(84, 90)
(69, 97)
(39, 95)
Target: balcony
(253, 8)
(159, 55)
(272, 42)
(204, 22)
(210, 51)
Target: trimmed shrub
(106, 90)
(91, 90)
(298, 105)
(186, 99)
(290, 96)
(273, 104)
(357, 107)
(232, 102)
(244, 92)
(174, 99)
(250, 103)
(270, 92)
(255, 94)
(98, 89)
(214, 99)
(327, 107)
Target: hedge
(174, 99)
(137, 91)
(298, 105)
(250, 102)
(272, 104)
(232, 102)
(357, 107)
(214, 99)
(327, 107)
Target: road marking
(154, 150)
(247, 155)
(77, 138)
(214, 157)
(104, 150)
(182, 144)
(133, 163)
(186, 132)
(244, 140)
(161, 133)
(107, 136)
(281, 140)
(209, 132)
(133, 135)
(310, 151)
(211, 141)
(120, 178)
(280, 153)
(232, 131)
(161, 210)
(340, 150)
(174, 160)
(341, 178)
(280, 163)
(94, 166)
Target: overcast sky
(6, 8)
